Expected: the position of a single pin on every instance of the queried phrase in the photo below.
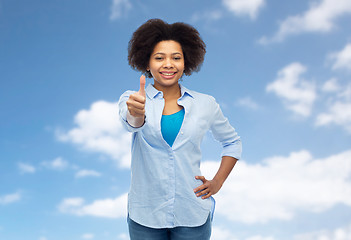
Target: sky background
(280, 70)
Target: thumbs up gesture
(136, 105)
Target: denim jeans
(140, 232)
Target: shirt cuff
(133, 121)
(233, 150)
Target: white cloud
(338, 110)
(69, 203)
(331, 85)
(87, 173)
(320, 17)
(297, 94)
(258, 237)
(244, 7)
(108, 208)
(248, 103)
(210, 15)
(123, 236)
(339, 113)
(219, 233)
(56, 164)
(342, 59)
(100, 130)
(88, 236)
(279, 187)
(10, 198)
(26, 168)
(341, 233)
(119, 8)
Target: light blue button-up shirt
(163, 180)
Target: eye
(158, 58)
(177, 58)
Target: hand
(136, 101)
(208, 188)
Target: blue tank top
(170, 126)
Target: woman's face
(166, 64)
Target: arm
(231, 145)
(132, 108)
(136, 106)
(211, 187)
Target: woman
(168, 197)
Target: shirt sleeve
(123, 109)
(225, 133)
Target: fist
(136, 101)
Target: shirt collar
(152, 92)
(184, 90)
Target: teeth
(168, 74)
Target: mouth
(168, 74)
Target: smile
(168, 73)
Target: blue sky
(280, 71)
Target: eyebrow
(165, 53)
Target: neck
(169, 92)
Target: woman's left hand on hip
(208, 188)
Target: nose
(168, 63)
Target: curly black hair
(145, 38)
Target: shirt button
(181, 132)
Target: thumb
(142, 85)
(202, 178)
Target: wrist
(135, 121)
(218, 180)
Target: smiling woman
(169, 198)
(166, 63)
(147, 36)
